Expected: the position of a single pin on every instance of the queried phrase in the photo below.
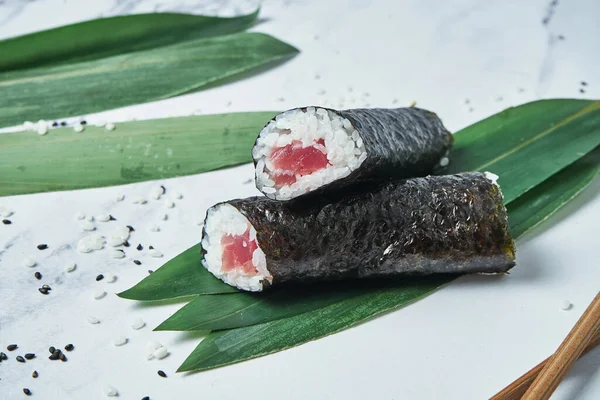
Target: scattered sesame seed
(110, 391)
(110, 126)
(561, 37)
(38, 275)
(119, 341)
(6, 221)
(78, 128)
(130, 228)
(146, 398)
(317, 76)
(138, 324)
(93, 320)
(62, 357)
(3, 356)
(178, 195)
(80, 215)
(20, 359)
(160, 353)
(163, 216)
(150, 247)
(117, 253)
(566, 305)
(54, 356)
(5, 212)
(281, 99)
(42, 246)
(35, 374)
(87, 226)
(150, 271)
(155, 253)
(581, 90)
(137, 262)
(140, 247)
(84, 122)
(69, 347)
(52, 349)
(27, 391)
(444, 161)
(126, 243)
(162, 373)
(90, 218)
(98, 294)
(110, 277)
(46, 287)
(103, 217)
(99, 277)
(90, 243)
(471, 109)
(120, 197)
(30, 356)
(28, 262)
(43, 291)
(70, 267)
(12, 347)
(152, 346)
(584, 83)
(139, 200)
(169, 203)
(63, 123)
(42, 130)
(114, 241)
(156, 192)
(154, 228)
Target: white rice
(343, 145)
(223, 220)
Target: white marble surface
(466, 341)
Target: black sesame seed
(140, 247)
(55, 123)
(62, 357)
(6, 221)
(581, 90)
(20, 359)
(3, 356)
(51, 349)
(137, 262)
(63, 123)
(99, 277)
(162, 373)
(69, 347)
(11, 347)
(126, 243)
(146, 398)
(150, 271)
(54, 356)
(27, 391)
(30, 356)
(84, 122)
(583, 83)
(46, 287)
(35, 374)
(43, 291)
(164, 189)
(130, 228)
(42, 246)
(111, 218)
(38, 275)
(561, 37)
(151, 247)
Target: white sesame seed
(178, 195)
(103, 217)
(156, 192)
(70, 267)
(117, 253)
(138, 324)
(154, 228)
(120, 341)
(98, 294)
(87, 226)
(110, 126)
(163, 216)
(139, 200)
(115, 240)
(120, 197)
(110, 391)
(444, 161)
(80, 215)
(566, 305)
(152, 346)
(123, 233)
(89, 218)
(42, 130)
(28, 125)
(5, 212)
(110, 277)
(78, 128)
(161, 353)
(93, 320)
(29, 262)
(169, 203)
(155, 253)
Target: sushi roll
(315, 149)
(450, 224)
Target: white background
(467, 341)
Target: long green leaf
(104, 37)
(527, 144)
(181, 277)
(227, 347)
(107, 83)
(135, 151)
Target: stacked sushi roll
(348, 195)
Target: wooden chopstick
(515, 390)
(583, 337)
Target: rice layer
(295, 131)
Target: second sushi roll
(436, 224)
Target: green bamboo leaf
(244, 309)
(235, 345)
(104, 37)
(135, 151)
(527, 144)
(540, 203)
(182, 276)
(132, 78)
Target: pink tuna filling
(293, 159)
(237, 253)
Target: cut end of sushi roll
(231, 251)
(303, 149)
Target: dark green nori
(437, 224)
(400, 143)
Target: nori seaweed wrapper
(449, 224)
(400, 143)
